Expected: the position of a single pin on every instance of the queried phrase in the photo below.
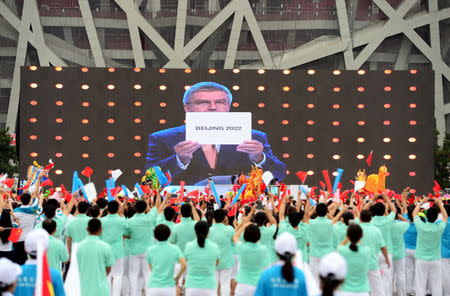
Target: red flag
(322, 185)
(369, 159)
(15, 235)
(146, 188)
(233, 211)
(9, 182)
(66, 194)
(326, 176)
(102, 194)
(44, 285)
(302, 176)
(47, 182)
(182, 183)
(87, 172)
(194, 193)
(436, 187)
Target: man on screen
(192, 162)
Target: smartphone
(274, 190)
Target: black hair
(411, 209)
(94, 211)
(25, 198)
(49, 211)
(49, 225)
(447, 208)
(140, 206)
(201, 230)
(5, 222)
(321, 209)
(219, 215)
(398, 212)
(83, 207)
(102, 203)
(113, 207)
(186, 210)
(347, 217)
(53, 202)
(162, 232)
(295, 218)
(252, 233)
(329, 284)
(169, 213)
(94, 226)
(432, 214)
(260, 218)
(287, 271)
(378, 209)
(366, 216)
(209, 214)
(129, 212)
(354, 234)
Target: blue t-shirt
(410, 237)
(445, 242)
(272, 283)
(26, 282)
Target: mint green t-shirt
(77, 228)
(60, 220)
(398, 244)
(250, 264)
(114, 227)
(321, 235)
(301, 234)
(268, 241)
(162, 256)
(93, 256)
(372, 238)
(140, 229)
(160, 219)
(357, 279)
(222, 235)
(429, 236)
(201, 262)
(340, 232)
(384, 224)
(56, 253)
(184, 232)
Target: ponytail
(201, 230)
(201, 240)
(354, 247)
(354, 234)
(329, 284)
(287, 271)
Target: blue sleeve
(262, 288)
(57, 282)
(272, 163)
(156, 156)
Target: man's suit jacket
(160, 152)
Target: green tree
(8, 155)
(442, 161)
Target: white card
(220, 128)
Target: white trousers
(353, 293)
(161, 292)
(387, 275)
(410, 263)
(244, 290)
(235, 268)
(400, 277)
(223, 277)
(200, 292)
(137, 267)
(445, 276)
(125, 279)
(428, 271)
(314, 263)
(115, 277)
(376, 283)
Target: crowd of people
(278, 245)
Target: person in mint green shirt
(184, 232)
(50, 212)
(355, 255)
(398, 230)
(95, 258)
(76, 229)
(114, 229)
(162, 257)
(384, 221)
(373, 238)
(202, 257)
(267, 227)
(140, 232)
(222, 234)
(249, 253)
(428, 248)
(166, 215)
(56, 252)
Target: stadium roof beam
(401, 62)
(91, 32)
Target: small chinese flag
(87, 172)
(436, 187)
(15, 235)
(369, 159)
(302, 176)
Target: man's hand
(185, 149)
(253, 148)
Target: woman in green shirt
(202, 256)
(249, 253)
(357, 281)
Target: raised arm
(194, 212)
(283, 209)
(442, 209)
(270, 217)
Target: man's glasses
(204, 103)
